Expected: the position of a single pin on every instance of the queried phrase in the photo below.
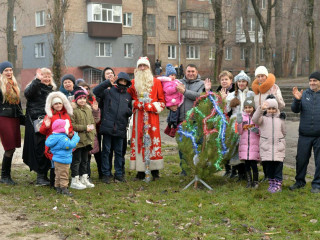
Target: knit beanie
(143, 60)
(56, 100)
(261, 70)
(242, 76)
(170, 70)
(272, 102)
(79, 80)
(315, 75)
(58, 126)
(69, 77)
(79, 93)
(5, 65)
(249, 102)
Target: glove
(138, 105)
(255, 130)
(239, 118)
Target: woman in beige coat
(272, 140)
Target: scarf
(12, 93)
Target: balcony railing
(194, 35)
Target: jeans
(274, 169)
(117, 143)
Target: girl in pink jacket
(272, 140)
(249, 142)
(173, 98)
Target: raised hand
(223, 93)
(47, 122)
(207, 84)
(95, 106)
(264, 106)
(296, 93)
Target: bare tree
(248, 44)
(57, 42)
(10, 33)
(144, 28)
(310, 27)
(278, 34)
(288, 42)
(266, 27)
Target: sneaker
(296, 186)
(315, 190)
(119, 178)
(76, 184)
(84, 179)
(106, 179)
(65, 191)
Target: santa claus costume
(145, 85)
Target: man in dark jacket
(307, 103)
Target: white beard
(143, 81)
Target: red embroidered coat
(153, 109)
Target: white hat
(242, 76)
(261, 70)
(56, 100)
(143, 60)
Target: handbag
(37, 124)
(95, 148)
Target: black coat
(9, 110)
(117, 108)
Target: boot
(6, 171)
(140, 176)
(76, 184)
(58, 189)
(85, 181)
(233, 173)
(276, 186)
(155, 174)
(228, 170)
(249, 179)
(65, 191)
(255, 183)
(271, 184)
(41, 181)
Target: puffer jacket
(309, 109)
(171, 94)
(36, 94)
(249, 140)
(193, 90)
(83, 116)
(242, 95)
(272, 135)
(61, 146)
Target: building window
(92, 75)
(251, 24)
(103, 49)
(198, 20)
(127, 19)
(151, 3)
(151, 49)
(242, 53)
(211, 25)
(172, 22)
(263, 4)
(228, 26)
(104, 12)
(212, 53)
(172, 52)
(14, 24)
(228, 53)
(128, 50)
(151, 25)
(40, 19)
(193, 52)
(39, 50)
(261, 53)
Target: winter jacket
(36, 94)
(193, 90)
(272, 135)
(171, 94)
(83, 116)
(249, 140)
(67, 93)
(9, 110)
(309, 109)
(242, 95)
(61, 146)
(265, 89)
(117, 108)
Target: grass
(162, 210)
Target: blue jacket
(61, 146)
(309, 109)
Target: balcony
(193, 36)
(241, 38)
(104, 30)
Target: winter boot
(228, 170)
(41, 181)
(155, 174)
(140, 175)
(6, 171)
(76, 184)
(255, 183)
(234, 173)
(58, 189)
(167, 130)
(65, 191)
(84, 179)
(276, 186)
(271, 184)
(249, 179)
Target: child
(116, 112)
(173, 98)
(84, 123)
(57, 107)
(272, 140)
(249, 142)
(61, 147)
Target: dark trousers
(124, 150)
(173, 118)
(251, 164)
(274, 169)
(117, 143)
(44, 163)
(305, 145)
(79, 162)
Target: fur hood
(65, 101)
(74, 105)
(264, 87)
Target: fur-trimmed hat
(170, 70)
(242, 76)
(61, 126)
(315, 75)
(249, 102)
(69, 77)
(143, 60)
(5, 65)
(80, 93)
(261, 70)
(65, 103)
(272, 102)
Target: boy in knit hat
(61, 147)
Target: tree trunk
(248, 44)
(10, 33)
(278, 33)
(288, 42)
(310, 28)
(144, 28)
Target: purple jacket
(249, 140)
(171, 94)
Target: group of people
(64, 128)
